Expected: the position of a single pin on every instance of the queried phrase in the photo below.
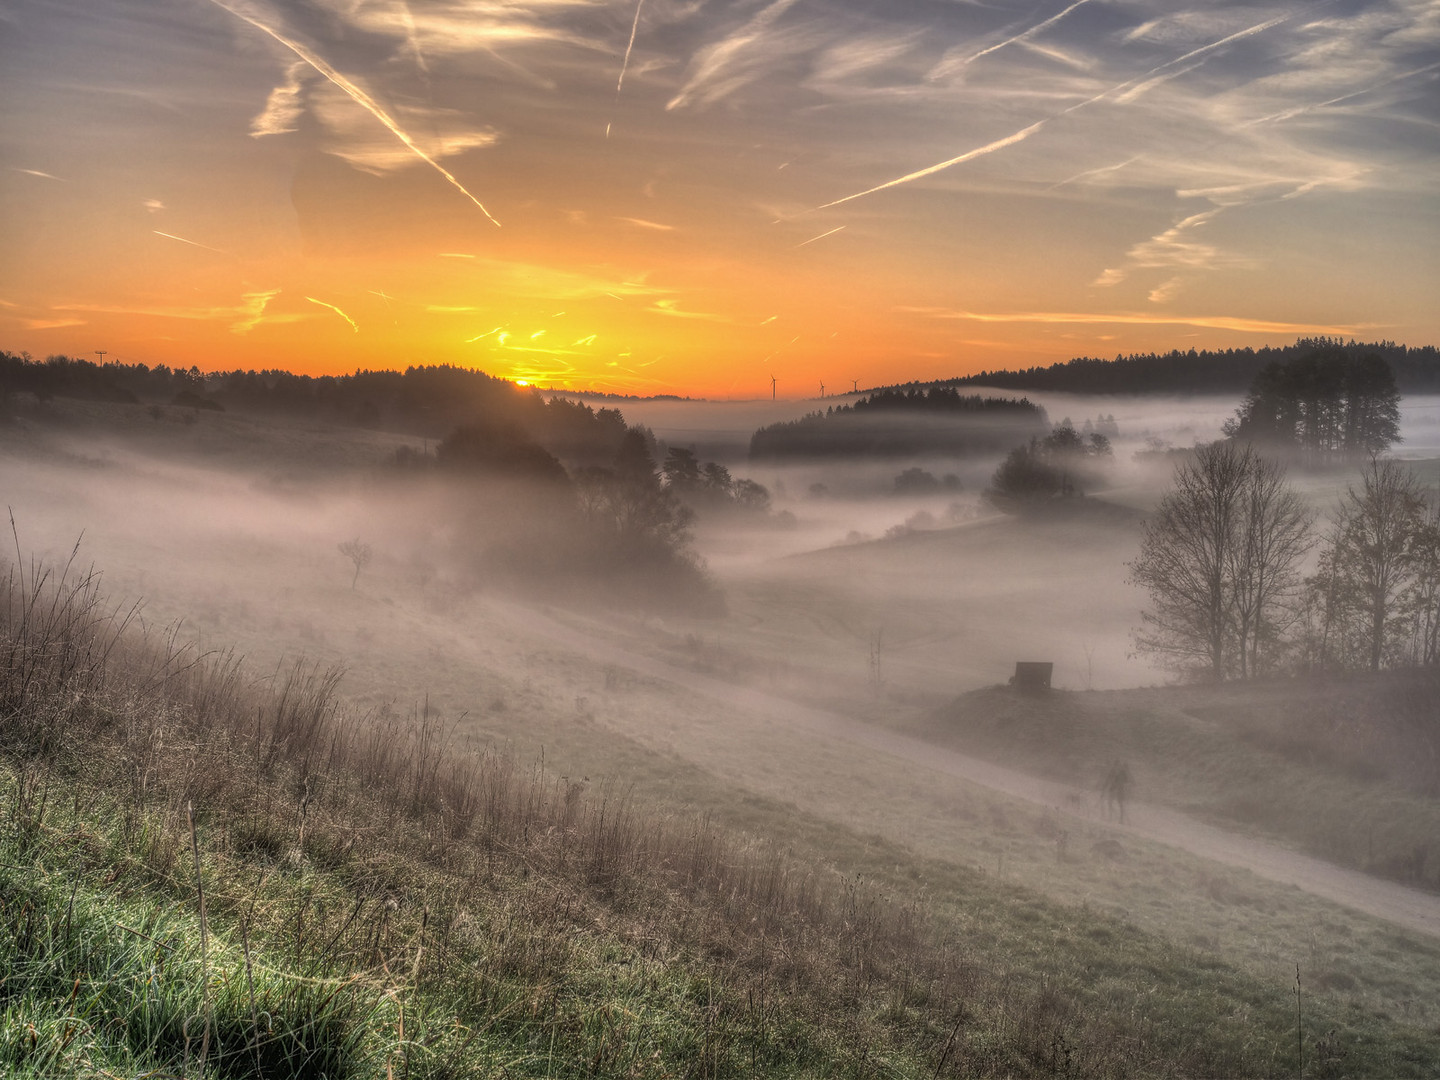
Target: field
(843, 721)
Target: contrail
(192, 243)
(988, 148)
(625, 64)
(1095, 172)
(1025, 133)
(337, 311)
(357, 95)
(1257, 28)
(822, 236)
(1024, 34)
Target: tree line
(1205, 371)
(428, 400)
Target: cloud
(446, 28)
(641, 223)
(242, 316)
(352, 137)
(51, 324)
(1165, 291)
(854, 56)
(671, 308)
(283, 107)
(41, 175)
(252, 310)
(356, 94)
(1176, 248)
(721, 68)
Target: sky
(722, 198)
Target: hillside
(205, 875)
(1347, 768)
(1227, 371)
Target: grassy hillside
(200, 874)
(1347, 768)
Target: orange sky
(819, 192)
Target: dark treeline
(427, 401)
(1221, 371)
(897, 423)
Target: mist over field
(231, 525)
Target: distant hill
(1228, 371)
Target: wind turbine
(772, 387)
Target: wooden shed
(1032, 675)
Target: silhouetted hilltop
(897, 423)
(427, 401)
(1227, 371)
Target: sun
(522, 382)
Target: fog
(232, 525)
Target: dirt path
(1386, 900)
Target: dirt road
(1383, 899)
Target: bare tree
(1218, 557)
(1421, 599)
(1369, 560)
(1186, 557)
(358, 553)
(1273, 536)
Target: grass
(1343, 768)
(379, 904)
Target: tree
(499, 450)
(1369, 561)
(1274, 535)
(358, 553)
(681, 469)
(1326, 403)
(1048, 468)
(1218, 559)
(1420, 602)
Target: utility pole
(101, 353)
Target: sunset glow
(669, 197)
